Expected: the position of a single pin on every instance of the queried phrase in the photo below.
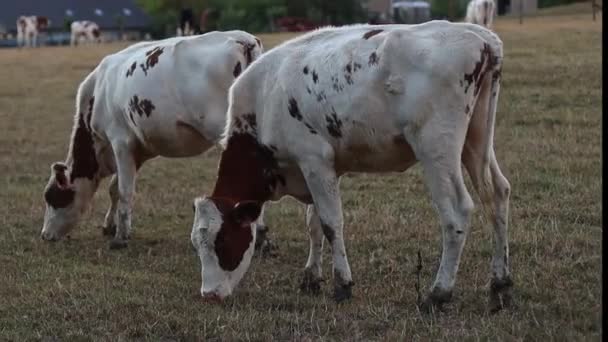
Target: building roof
(102, 12)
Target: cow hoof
(501, 294)
(343, 292)
(311, 284)
(435, 300)
(109, 231)
(118, 244)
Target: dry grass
(548, 143)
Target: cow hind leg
(441, 164)
(126, 172)
(479, 159)
(109, 225)
(494, 190)
(311, 282)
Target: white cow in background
(481, 12)
(162, 98)
(359, 98)
(28, 28)
(84, 30)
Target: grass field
(548, 142)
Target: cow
(481, 12)
(84, 29)
(162, 98)
(28, 28)
(361, 98)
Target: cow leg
(441, 164)
(311, 282)
(126, 172)
(493, 189)
(324, 187)
(454, 205)
(109, 225)
(501, 285)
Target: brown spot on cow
(373, 59)
(237, 70)
(58, 197)
(83, 152)
(232, 239)
(96, 33)
(315, 77)
(152, 59)
(479, 71)
(131, 69)
(294, 110)
(305, 70)
(247, 51)
(243, 153)
(371, 33)
(258, 41)
(334, 124)
(141, 107)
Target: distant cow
(28, 28)
(358, 98)
(85, 30)
(481, 12)
(162, 98)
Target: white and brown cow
(358, 99)
(162, 98)
(481, 12)
(84, 30)
(28, 28)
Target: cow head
(66, 200)
(42, 23)
(223, 234)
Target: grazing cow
(358, 98)
(28, 28)
(84, 29)
(481, 12)
(163, 98)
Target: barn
(118, 19)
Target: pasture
(548, 143)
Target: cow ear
(59, 171)
(246, 212)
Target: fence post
(521, 12)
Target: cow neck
(242, 171)
(82, 156)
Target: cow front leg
(126, 172)
(311, 283)
(324, 187)
(109, 223)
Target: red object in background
(295, 24)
